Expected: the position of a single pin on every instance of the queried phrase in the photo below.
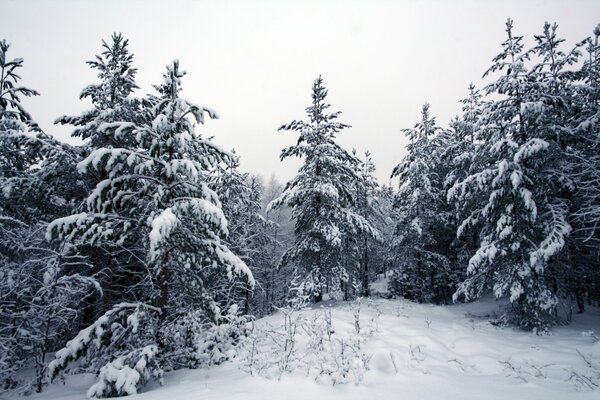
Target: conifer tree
(367, 206)
(319, 195)
(422, 271)
(522, 222)
(157, 190)
(583, 170)
(110, 97)
(115, 265)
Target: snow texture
(419, 351)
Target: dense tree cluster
(515, 179)
(146, 249)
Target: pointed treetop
(117, 76)
(172, 85)
(423, 129)
(10, 101)
(317, 110)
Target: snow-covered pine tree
(367, 206)
(452, 161)
(522, 223)
(319, 195)
(261, 246)
(111, 101)
(585, 154)
(459, 142)
(39, 284)
(115, 266)
(240, 196)
(157, 189)
(238, 202)
(553, 84)
(422, 270)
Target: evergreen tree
(319, 196)
(110, 97)
(422, 272)
(368, 207)
(115, 265)
(522, 222)
(454, 160)
(582, 171)
(240, 196)
(157, 189)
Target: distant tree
(276, 232)
(368, 206)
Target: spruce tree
(422, 271)
(521, 218)
(319, 196)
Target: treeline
(504, 200)
(145, 249)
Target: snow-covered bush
(128, 373)
(308, 344)
(195, 341)
(347, 362)
(219, 342)
(118, 334)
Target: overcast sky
(254, 61)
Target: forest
(146, 250)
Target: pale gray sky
(254, 61)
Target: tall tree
(115, 265)
(582, 171)
(368, 207)
(422, 271)
(157, 190)
(319, 196)
(522, 221)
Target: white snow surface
(417, 351)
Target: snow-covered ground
(416, 352)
